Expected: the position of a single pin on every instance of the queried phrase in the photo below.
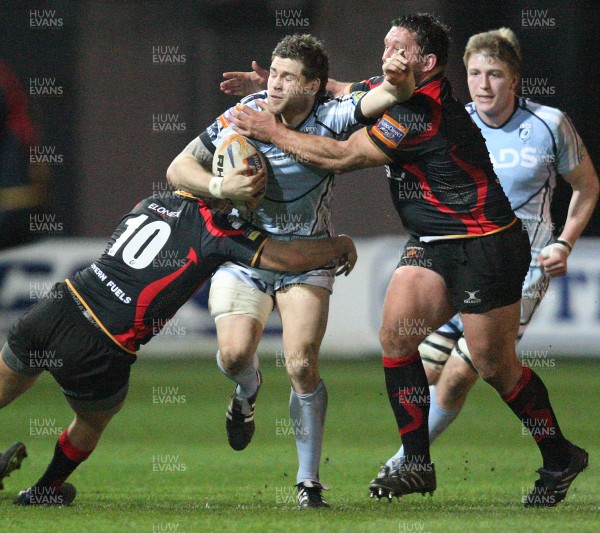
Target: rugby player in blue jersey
(296, 205)
(467, 253)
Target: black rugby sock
(66, 459)
(408, 393)
(530, 402)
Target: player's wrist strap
(565, 243)
(215, 187)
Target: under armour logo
(472, 299)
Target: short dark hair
(431, 34)
(310, 51)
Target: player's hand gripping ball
(237, 151)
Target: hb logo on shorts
(472, 299)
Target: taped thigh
(232, 296)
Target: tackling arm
(300, 255)
(322, 152)
(338, 88)
(245, 83)
(398, 85)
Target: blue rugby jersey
(298, 198)
(535, 144)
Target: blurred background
(122, 70)
(101, 96)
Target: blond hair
(501, 44)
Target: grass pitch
(164, 464)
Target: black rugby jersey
(441, 179)
(161, 253)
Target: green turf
(483, 462)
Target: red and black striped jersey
(160, 254)
(441, 179)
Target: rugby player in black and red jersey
(467, 252)
(94, 322)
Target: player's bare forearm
(584, 181)
(191, 171)
(338, 157)
(398, 86)
(322, 152)
(185, 172)
(301, 255)
(377, 100)
(338, 88)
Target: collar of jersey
(515, 109)
(311, 112)
(437, 77)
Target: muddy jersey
(298, 198)
(161, 253)
(441, 179)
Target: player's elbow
(594, 187)
(172, 176)
(588, 189)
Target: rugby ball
(235, 151)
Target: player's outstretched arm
(584, 181)
(245, 83)
(301, 255)
(398, 85)
(338, 88)
(191, 171)
(322, 152)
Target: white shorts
(237, 289)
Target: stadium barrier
(566, 324)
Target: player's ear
(314, 85)
(514, 82)
(429, 63)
